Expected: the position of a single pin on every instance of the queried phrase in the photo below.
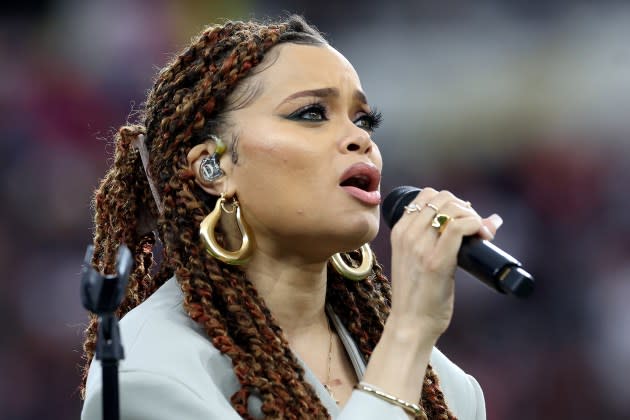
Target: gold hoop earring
(206, 230)
(351, 273)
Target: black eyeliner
(315, 106)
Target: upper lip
(362, 173)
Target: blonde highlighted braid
(185, 104)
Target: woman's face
(308, 173)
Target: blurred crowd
(519, 107)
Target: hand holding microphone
(425, 243)
(432, 232)
(476, 255)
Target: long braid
(117, 220)
(185, 105)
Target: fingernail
(487, 233)
(496, 220)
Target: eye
(370, 121)
(313, 112)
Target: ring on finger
(412, 208)
(440, 221)
(434, 207)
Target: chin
(360, 233)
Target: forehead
(292, 67)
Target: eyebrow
(325, 93)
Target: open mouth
(362, 176)
(361, 182)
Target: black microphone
(476, 256)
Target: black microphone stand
(101, 294)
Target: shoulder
(462, 392)
(160, 338)
(166, 354)
(151, 396)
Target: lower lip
(368, 197)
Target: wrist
(411, 408)
(412, 331)
(399, 361)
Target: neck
(294, 291)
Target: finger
(426, 235)
(432, 199)
(413, 209)
(488, 227)
(492, 224)
(456, 210)
(445, 196)
(443, 202)
(432, 206)
(450, 239)
(434, 202)
(409, 232)
(424, 197)
(421, 212)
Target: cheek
(264, 154)
(274, 159)
(278, 176)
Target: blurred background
(520, 106)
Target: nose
(357, 141)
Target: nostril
(353, 147)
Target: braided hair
(185, 105)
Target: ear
(218, 186)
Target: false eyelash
(375, 118)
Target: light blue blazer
(172, 371)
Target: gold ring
(440, 221)
(412, 208)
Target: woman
(262, 181)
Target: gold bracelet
(413, 409)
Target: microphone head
(517, 282)
(395, 202)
